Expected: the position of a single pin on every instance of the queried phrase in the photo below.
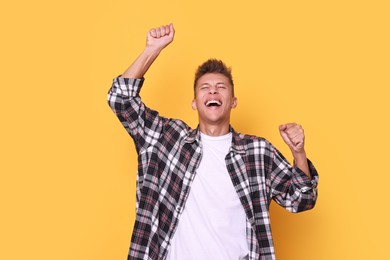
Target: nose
(212, 90)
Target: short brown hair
(214, 66)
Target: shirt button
(305, 189)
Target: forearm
(300, 161)
(294, 188)
(141, 65)
(157, 39)
(293, 136)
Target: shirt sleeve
(142, 123)
(290, 186)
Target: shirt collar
(237, 139)
(192, 136)
(238, 144)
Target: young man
(205, 193)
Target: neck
(214, 130)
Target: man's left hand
(294, 136)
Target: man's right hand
(156, 41)
(160, 37)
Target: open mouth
(213, 103)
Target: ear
(194, 107)
(234, 104)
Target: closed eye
(204, 86)
(221, 85)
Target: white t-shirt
(213, 223)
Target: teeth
(213, 102)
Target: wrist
(299, 155)
(152, 51)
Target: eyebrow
(218, 83)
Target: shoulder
(176, 124)
(249, 139)
(177, 128)
(252, 143)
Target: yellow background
(68, 167)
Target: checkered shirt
(169, 152)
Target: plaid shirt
(169, 152)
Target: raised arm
(156, 40)
(142, 123)
(293, 135)
(294, 188)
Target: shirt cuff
(128, 86)
(304, 182)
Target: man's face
(214, 99)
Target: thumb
(171, 28)
(282, 127)
(171, 31)
(284, 135)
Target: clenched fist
(294, 136)
(158, 38)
